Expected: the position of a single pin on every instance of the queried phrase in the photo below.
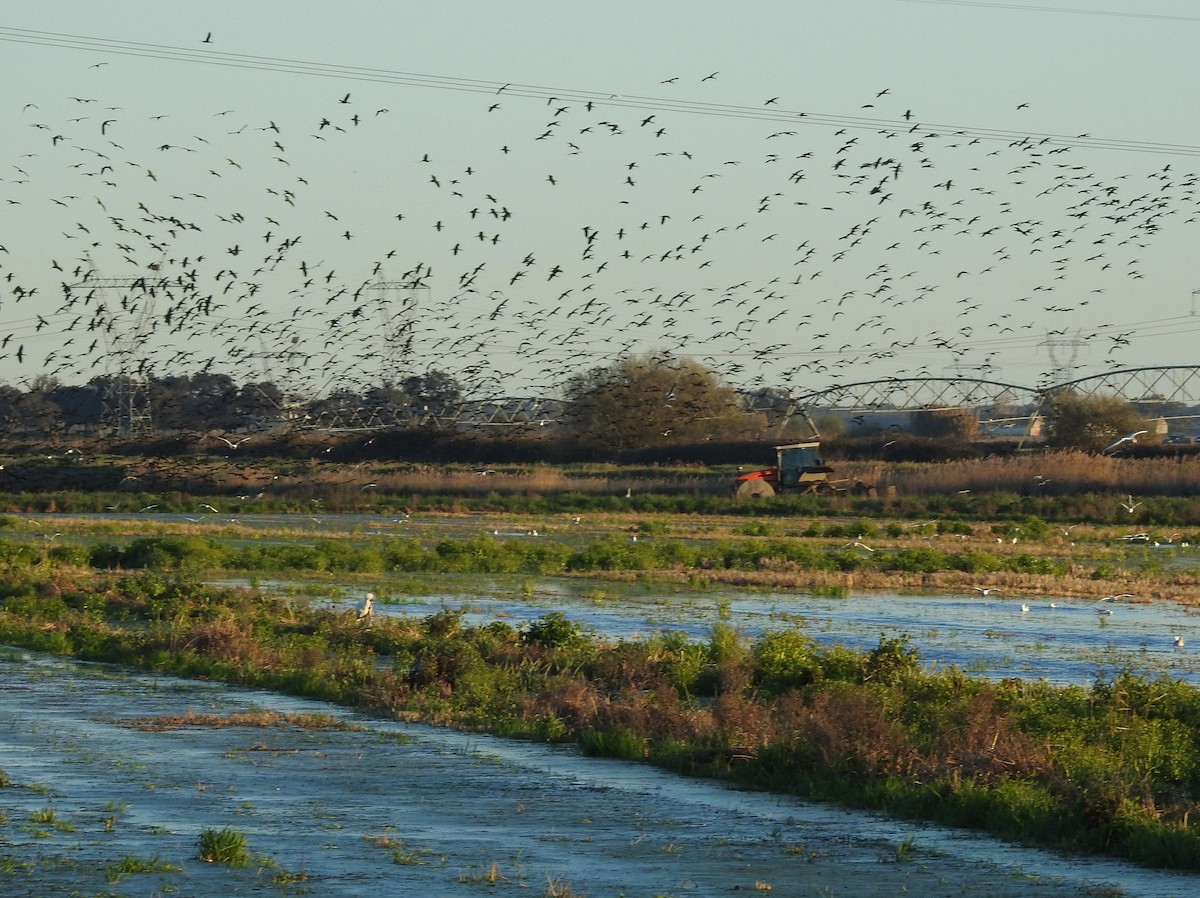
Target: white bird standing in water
(365, 611)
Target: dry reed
(1048, 473)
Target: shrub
(615, 742)
(162, 553)
(442, 660)
(785, 659)
(920, 560)
(758, 528)
(443, 624)
(891, 661)
(976, 562)
(553, 631)
(1036, 564)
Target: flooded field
(388, 808)
(1058, 639)
(92, 804)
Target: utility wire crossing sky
(832, 202)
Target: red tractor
(800, 469)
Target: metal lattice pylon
(398, 303)
(1063, 351)
(126, 408)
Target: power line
(1080, 12)
(923, 130)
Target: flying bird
(1128, 438)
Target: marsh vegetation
(1110, 766)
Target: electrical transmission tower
(126, 407)
(1063, 352)
(398, 304)
(276, 366)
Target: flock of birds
(1101, 606)
(520, 240)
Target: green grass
(129, 865)
(224, 846)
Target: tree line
(638, 402)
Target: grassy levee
(1113, 768)
(827, 556)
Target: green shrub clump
(223, 846)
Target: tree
(35, 410)
(649, 400)
(10, 402)
(433, 388)
(386, 394)
(944, 423)
(80, 405)
(1091, 422)
(261, 400)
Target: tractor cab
(801, 465)
(799, 468)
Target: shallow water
(461, 812)
(398, 808)
(989, 636)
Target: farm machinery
(799, 469)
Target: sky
(797, 195)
